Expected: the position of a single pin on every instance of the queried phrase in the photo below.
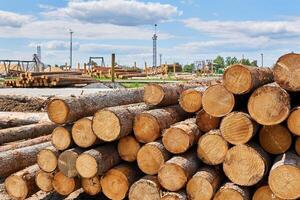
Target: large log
(13, 119)
(264, 193)
(269, 104)
(212, 148)
(113, 123)
(218, 101)
(294, 120)
(25, 132)
(70, 109)
(275, 139)
(44, 180)
(190, 100)
(67, 162)
(64, 185)
(22, 183)
(14, 160)
(152, 156)
(61, 137)
(116, 182)
(180, 195)
(238, 128)
(284, 177)
(245, 164)
(242, 79)
(148, 125)
(206, 122)
(47, 159)
(146, 188)
(176, 172)
(97, 161)
(25, 143)
(232, 192)
(91, 186)
(181, 136)
(286, 71)
(82, 133)
(128, 148)
(204, 184)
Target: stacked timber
(240, 141)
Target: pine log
(61, 137)
(19, 158)
(297, 146)
(70, 109)
(91, 186)
(44, 180)
(284, 177)
(286, 72)
(116, 182)
(264, 193)
(238, 128)
(47, 159)
(13, 119)
(275, 139)
(204, 184)
(152, 156)
(67, 162)
(64, 185)
(97, 161)
(190, 100)
(242, 79)
(21, 184)
(25, 143)
(176, 172)
(269, 104)
(148, 125)
(180, 195)
(212, 148)
(26, 132)
(293, 121)
(181, 136)
(232, 192)
(218, 101)
(113, 123)
(206, 122)
(128, 148)
(82, 133)
(245, 164)
(146, 188)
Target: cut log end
(106, 125)
(66, 163)
(176, 140)
(199, 188)
(206, 122)
(264, 193)
(153, 94)
(16, 187)
(44, 181)
(275, 139)
(218, 101)
(146, 128)
(83, 134)
(232, 192)
(191, 100)
(181, 195)
(145, 189)
(91, 186)
(172, 177)
(238, 79)
(128, 148)
(294, 121)
(58, 111)
(61, 138)
(63, 185)
(47, 160)
(86, 166)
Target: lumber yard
(237, 137)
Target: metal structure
(90, 63)
(160, 56)
(39, 52)
(71, 48)
(154, 38)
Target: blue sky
(188, 30)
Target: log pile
(121, 73)
(234, 144)
(49, 79)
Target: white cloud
(118, 49)
(10, 19)
(118, 12)
(55, 45)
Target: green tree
(254, 63)
(189, 68)
(218, 63)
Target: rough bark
(190, 100)
(146, 188)
(128, 148)
(206, 122)
(67, 162)
(180, 195)
(233, 192)
(242, 79)
(70, 109)
(47, 159)
(62, 138)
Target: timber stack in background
(231, 139)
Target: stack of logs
(121, 73)
(49, 79)
(238, 139)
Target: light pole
(262, 59)
(71, 46)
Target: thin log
(233, 192)
(44, 180)
(190, 100)
(13, 119)
(67, 162)
(91, 186)
(47, 159)
(61, 137)
(128, 148)
(206, 122)
(64, 185)
(145, 188)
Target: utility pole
(160, 55)
(71, 47)
(154, 38)
(262, 59)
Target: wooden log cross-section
(82, 133)
(145, 188)
(128, 148)
(64, 185)
(180, 195)
(44, 180)
(206, 122)
(190, 100)
(233, 192)
(61, 137)
(67, 162)
(293, 121)
(91, 186)
(70, 109)
(264, 193)
(47, 159)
